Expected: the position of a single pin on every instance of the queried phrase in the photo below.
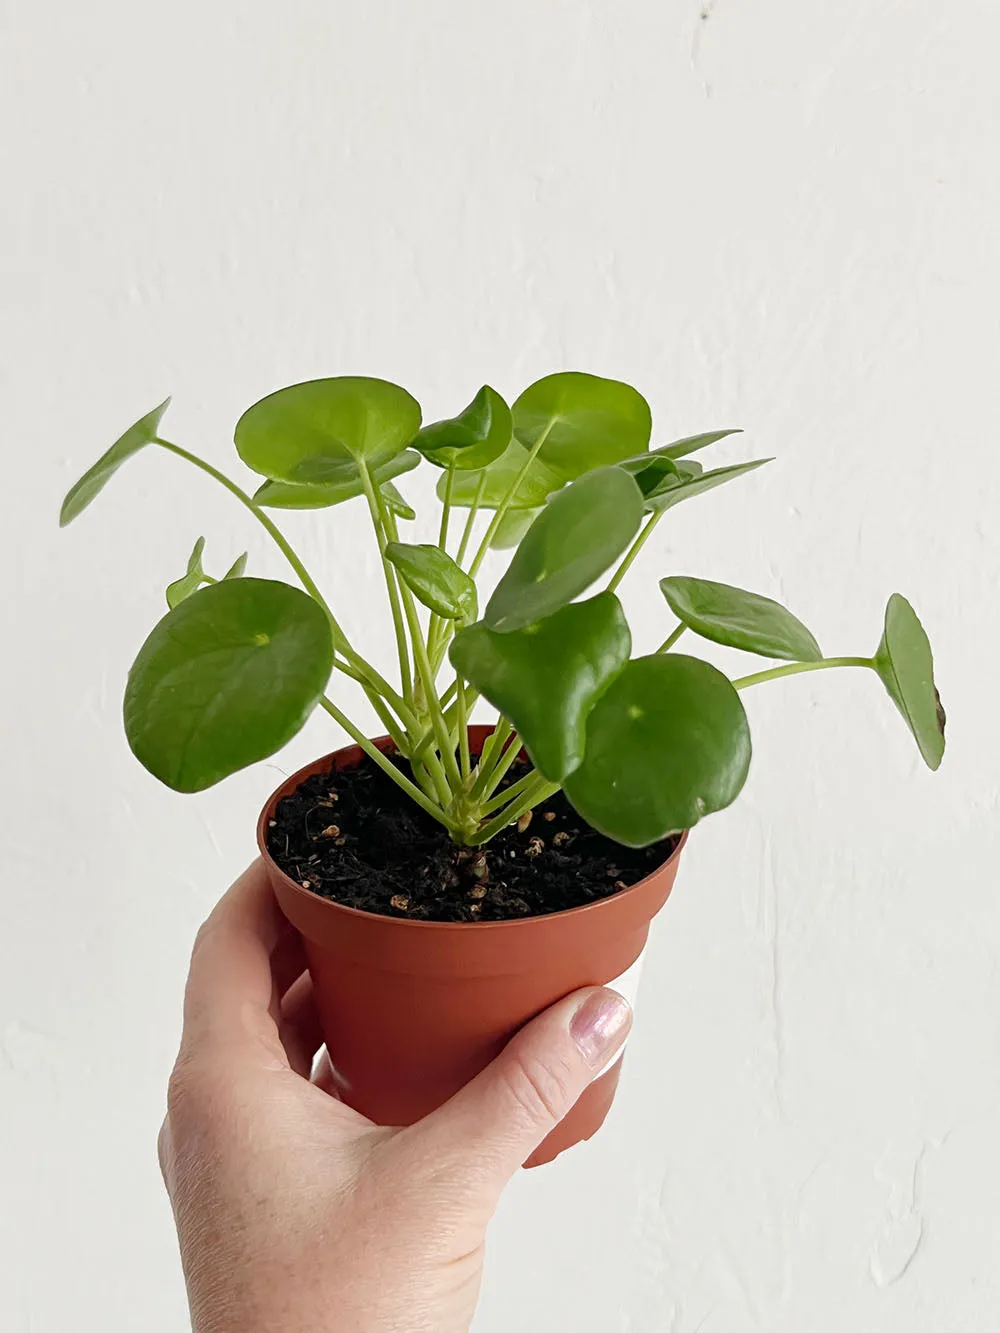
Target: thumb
(494, 1123)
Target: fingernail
(600, 1025)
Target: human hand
(295, 1214)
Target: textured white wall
(773, 213)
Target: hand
(296, 1214)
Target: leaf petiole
(794, 668)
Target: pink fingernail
(600, 1025)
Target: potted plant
(450, 880)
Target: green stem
(503, 764)
(471, 519)
(793, 669)
(400, 779)
(508, 794)
(671, 639)
(390, 582)
(634, 550)
(422, 662)
(364, 672)
(462, 719)
(539, 791)
(504, 504)
(449, 484)
(275, 532)
(494, 744)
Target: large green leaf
(433, 577)
(96, 478)
(667, 743)
(906, 666)
(191, 580)
(512, 527)
(474, 439)
(225, 679)
(547, 677)
(306, 432)
(739, 619)
(347, 485)
(579, 534)
(583, 421)
(666, 493)
(537, 484)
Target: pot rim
(386, 742)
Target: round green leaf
(225, 679)
(96, 478)
(306, 432)
(512, 527)
(667, 743)
(474, 439)
(583, 421)
(547, 677)
(906, 666)
(537, 484)
(434, 578)
(347, 485)
(739, 619)
(579, 534)
(190, 581)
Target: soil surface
(354, 837)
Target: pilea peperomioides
(643, 746)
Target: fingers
(230, 1000)
(489, 1128)
(299, 1028)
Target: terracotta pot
(411, 1010)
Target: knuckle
(193, 1090)
(541, 1091)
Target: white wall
(773, 213)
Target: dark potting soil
(354, 837)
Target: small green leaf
(666, 494)
(579, 534)
(474, 439)
(190, 581)
(739, 619)
(653, 471)
(538, 483)
(237, 569)
(395, 502)
(96, 478)
(347, 486)
(225, 679)
(546, 678)
(304, 433)
(692, 443)
(906, 667)
(584, 421)
(667, 743)
(512, 527)
(434, 578)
